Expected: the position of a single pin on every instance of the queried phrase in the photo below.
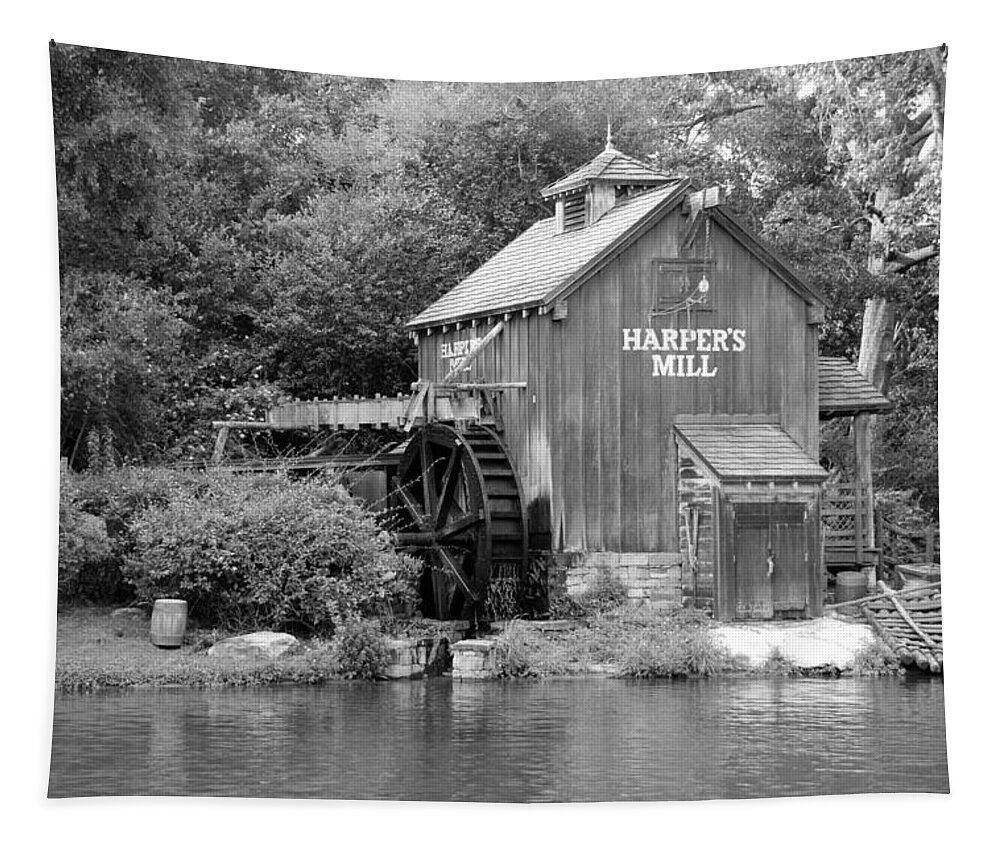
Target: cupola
(584, 195)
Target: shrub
(95, 512)
(267, 552)
(515, 652)
(361, 651)
(86, 569)
(606, 592)
(674, 643)
(875, 660)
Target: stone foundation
(651, 578)
(417, 657)
(473, 659)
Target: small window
(574, 210)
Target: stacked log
(910, 624)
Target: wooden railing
(845, 539)
(905, 546)
(845, 524)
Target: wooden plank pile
(909, 621)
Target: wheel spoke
(458, 525)
(411, 505)
(448, 483)
(456, 569)
(427, 475)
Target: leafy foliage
(361, 651)
(232, 235)
(86, 570)
(267, 552)
(604, 593)
(95, 515)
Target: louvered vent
(574, 209)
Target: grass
(621, 641)
(91, 653)
(875, 660)
(645, 643)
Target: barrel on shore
(851, 585)
(169, 621)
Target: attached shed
(663, 402)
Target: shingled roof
(744, 452)
(610, 165)
(843, 391)
(541, 263)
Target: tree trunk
(878, 245)
(873, 364)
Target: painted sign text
(454, 352)
(688, 350)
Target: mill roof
(540, 262)
(749, 452)
(843, 391)
(541, 265)
(610, 165)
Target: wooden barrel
(851, 585)
(166, 629)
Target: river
(550, 740)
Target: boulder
(820, 643)
(131, 622)
(254, 647)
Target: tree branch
(712, 115)
(899, 262)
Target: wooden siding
(591, 436)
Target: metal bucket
(851, 585)
(169, 621)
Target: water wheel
(461, 506)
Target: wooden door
(790, 583)
(772, 568)
(753, 584)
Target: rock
(474, 659)
(411, 658)
(254, 647)
(130, 622)
(819, 643)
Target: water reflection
(583, 740)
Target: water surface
(558, 740)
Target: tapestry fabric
(498, 442)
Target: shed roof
(610, 165)
(541, 262)
(749, 452)
(843, 391)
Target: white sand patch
(805, 644)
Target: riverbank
(95, 650)
(650, 643)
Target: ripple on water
(558, 740)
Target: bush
(515, 652)
(86, 568)
(361, 651)
(606, 593)
(95, 512)
(875, 660)
(267, 552)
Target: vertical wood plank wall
(591, 436)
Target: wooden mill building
(663, 392)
